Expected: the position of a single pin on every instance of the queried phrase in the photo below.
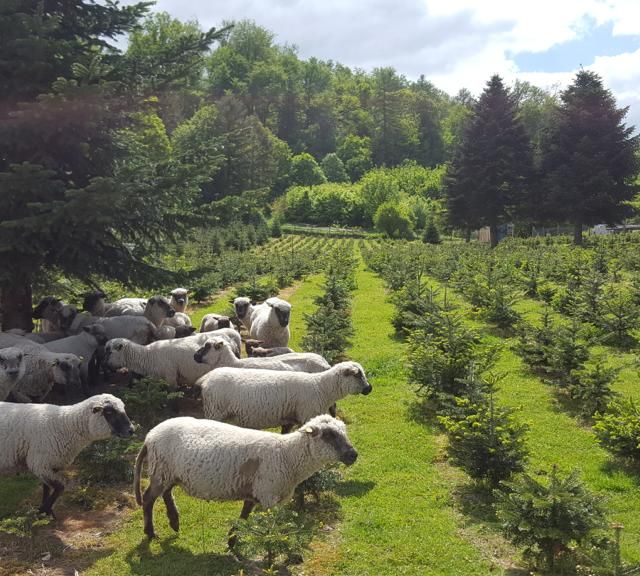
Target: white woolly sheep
(260, 352)
(124, 306)
(217, 461)
(270, 322)
(83, 345)
(218, 353)
(43, 369)
(212, 322)
(135, 328)
(12, 369)
(44, 438)
(244, 310)
(259, 399)
(171, 360)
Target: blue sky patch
(597, 41)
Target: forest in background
(110, 157)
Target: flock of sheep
(227, 455)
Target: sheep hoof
(151, 535)
(175, 524)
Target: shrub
(278, 534)
(533, 343)
(394, 220)
(322, 481)
(148, 401)
(498, 307)
(619, 316)
(431, 234)
(590, 388)
(547, 516)
(105, 462)
(567, 352)
(618, 429)
(487, 442)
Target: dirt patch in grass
(70, 543)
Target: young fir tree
(590, 158)
(489, 173)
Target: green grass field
(401, 509)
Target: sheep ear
(311, 430)
(354, 371)
(81, 358)
(87, 329)
(96, 409)
(218, 345)
(55, 362)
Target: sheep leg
(172, 511)
(45, 494)
(333, 410)
(246, 510)
(148, 500)
(49, 500)
(286, 428)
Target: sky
(454, 43)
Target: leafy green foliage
(333, 168)
(148, 401)
(548, 516)
(486, 441)
(590, 388)
(394, 219)
(108, 461)
(277, 534)
(305, 171)
(618, 429)
(431, 234)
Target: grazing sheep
(244, 310)
(180, 299)
(270, 322)
(254, 398)
(217, 461)
(12, 369)
(44, 438)
(84, 345)
(218, 353)
(260, 352)
(171, 360)
(212, 322)
(135, 328)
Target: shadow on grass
(173, 559)
(421, 412)
(622, 466)
(476, 502)
(356, 488)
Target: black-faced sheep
(44, 438)
(217, 461)
(259, 399)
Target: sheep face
(241, 305)
(353, 379)
(329, 441)
(66, 371)
(159, 307)
(98, 332)
(212, 352)
(179, 299)
(108, 417)
(282, 310)
(12, 363)
(48, 308)
(114, 353)
(94, 303)
(67, 316)
(184, 331)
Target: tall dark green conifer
(590, 160)
(488, 176)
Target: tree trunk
(577, 233)
(16, 306)
(493, 235)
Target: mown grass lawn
(396, 506)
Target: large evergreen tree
(489, 173)
(86, 173)
(590, 160)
